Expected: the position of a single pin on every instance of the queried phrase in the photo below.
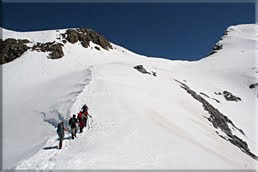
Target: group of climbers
(81, 121)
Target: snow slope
(139, 120)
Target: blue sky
(185, 31)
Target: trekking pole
(91, 122)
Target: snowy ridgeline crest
(12, 48)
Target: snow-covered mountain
(161, 115)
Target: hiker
(86, 115)
(80, 118)
(60, 131)
(84, 108)
(85, 118)
(72, 122)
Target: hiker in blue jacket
(61, 131)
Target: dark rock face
(154, 73)
(253, 85)
(98, 39)
(220, 121)
(72, 36)
(217, 93)
(55, 49)
(141, 69)
(216, 48)
(201, 93)
(97, 48)
(216, 100)
(226, 32)
(230, 97)
(85, 36)
(10, 49)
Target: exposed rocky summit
(84, 36)
(10, 49)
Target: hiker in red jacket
(80, 118)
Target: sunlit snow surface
(139, 121)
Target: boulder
(97, 48)
(230, 97)
(253, 85)
(72, 36)
(141, 69)
(56, 51)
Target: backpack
(72, 122)
(60, 128)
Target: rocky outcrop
(84, 36)
(229, 96)
(220, 121)
(141, 69)
(55, 49)
(97, 48)
(216, 48)
(72, 36)
(252, 86)
(10, 49)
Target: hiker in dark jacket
(72, 122)
(86, 116)
(84, 108)
(61, 131)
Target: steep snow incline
(139, 120)
(37, 89)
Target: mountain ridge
(128, 105)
